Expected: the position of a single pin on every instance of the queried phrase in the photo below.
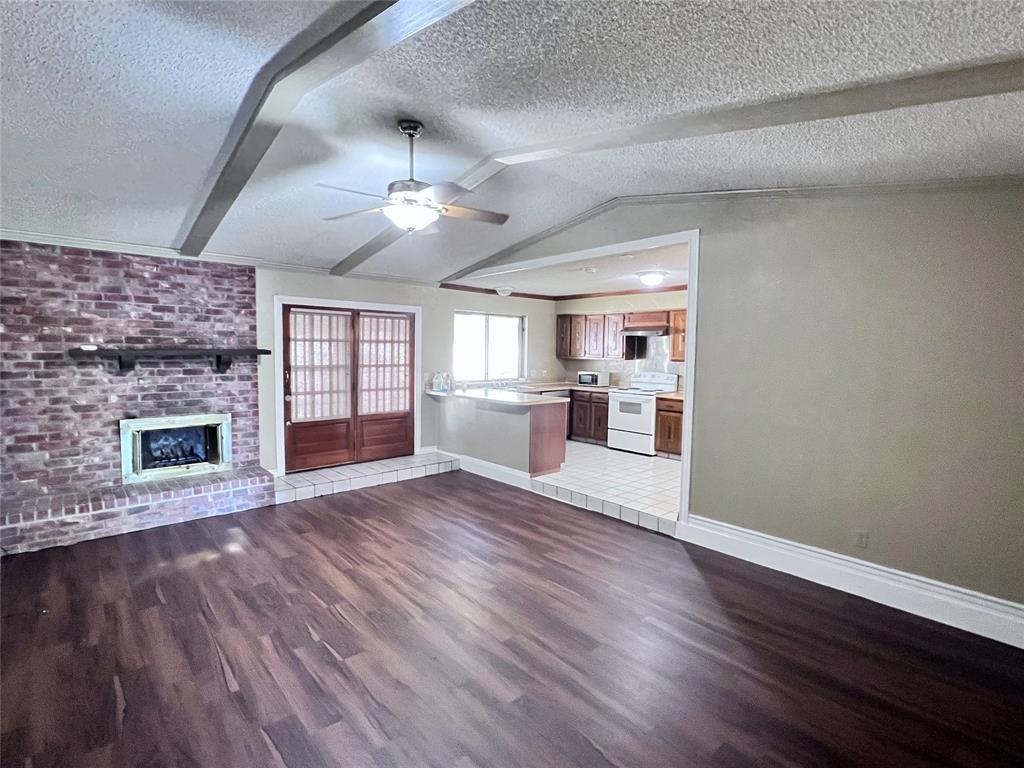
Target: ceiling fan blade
(352, 191)
(445, 190)
(433, 229)
(474, 214)
(354, 213)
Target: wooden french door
(348, 383)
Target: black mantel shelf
(126, 356)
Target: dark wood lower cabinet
(581, 418)
(668, 427)
(590, 416)
(599, 418)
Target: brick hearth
(61, 475)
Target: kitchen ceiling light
(411, 216)
(655, 277)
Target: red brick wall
(60, 417)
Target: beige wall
(860, 366)
(658, 349)
(438, 305)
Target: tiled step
(641, 490)
(350, 477)
(661, 520)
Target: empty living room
(511, 383)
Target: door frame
(278, 350)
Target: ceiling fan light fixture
(503, 290)
(652, 278)
(410, 216)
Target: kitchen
(623, 355)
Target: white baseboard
(965, 609)
(427, 449)
(499, 472)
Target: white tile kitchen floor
(349, 477)
(642, 490)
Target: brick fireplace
(63, 476)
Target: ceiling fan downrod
(412, 129)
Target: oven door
(631, 413)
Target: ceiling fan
(411, 204)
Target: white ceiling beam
(932, 88)
(380, 25)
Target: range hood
(646, 332)
(646, 324)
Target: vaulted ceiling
(116, 115)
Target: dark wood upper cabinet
(595, 336)
(613, 336)
(588, 337)
(578, 338)
(563, 336)
(677, 327)
(646, 319)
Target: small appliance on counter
(592, 378)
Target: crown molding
(493, 292)
(626, 292)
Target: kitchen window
(487, 347)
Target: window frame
(521, 373)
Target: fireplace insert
(177, 446)
(169, 446)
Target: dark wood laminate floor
(453, 621)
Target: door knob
(287, 398)
(287, 423)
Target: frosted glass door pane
(320, 354)
(385, 356)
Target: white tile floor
(320, 482)
(642, 490)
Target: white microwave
(592, 378)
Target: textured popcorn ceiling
(114, 112)
(111, 124)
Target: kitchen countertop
(559, 385)
(584, 388)
(671, 396)
(503, 396)
(529, 394)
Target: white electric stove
(632, 411)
